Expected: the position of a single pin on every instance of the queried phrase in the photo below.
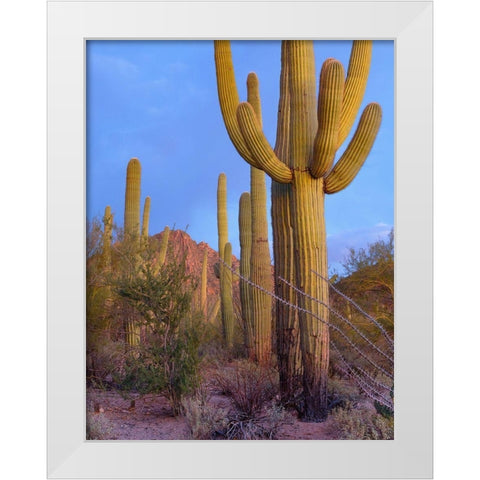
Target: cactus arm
(355, 84)
(329, 111)
(162, 251)
(259, 146)
(228, 97)
(357, 151)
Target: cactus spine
(245, 230)
(308, 148)
(260, 261)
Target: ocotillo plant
(260, 261)
(225, 276)
(245, 230)
(308, 136)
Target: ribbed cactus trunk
(245, 230)
(287, 328)
(225, 273)
(162, 251)
(308, 137)
(227, 297)
(260, 261)
(146, 219)
(131, 225)
(107, 238)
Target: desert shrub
(98, 427)
(204, 420)
(250, 386)
(341, 391)
(351, 423)
(263, 425)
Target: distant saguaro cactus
(227, 297)
(245, 230)
(131, 223)
(146, 219)
(225, 274)
(308, 136)
(107, 238)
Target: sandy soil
(151, 418)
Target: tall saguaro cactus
(131, 227)
(309, 133)
(225, 274)
(146, 219)
(245, 230)
(131, 223)
(260, 261)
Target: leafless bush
(98, 427)
(250, 386)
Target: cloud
(114, 65)
(339, 243)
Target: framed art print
(238, 194)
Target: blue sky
(157, 101)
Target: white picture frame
(409, 24)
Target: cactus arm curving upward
(259, 147)
(228, 97)
(329, 110)
(357, 151)
(355, 85)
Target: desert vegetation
(191, 342)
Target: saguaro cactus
(131, 225)
(227, 297)
(162, 251)
(131, 222)
(146, 219)
(245, 230)
(225, 278)
(107, 238)
(308, 136)
(260, 261)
